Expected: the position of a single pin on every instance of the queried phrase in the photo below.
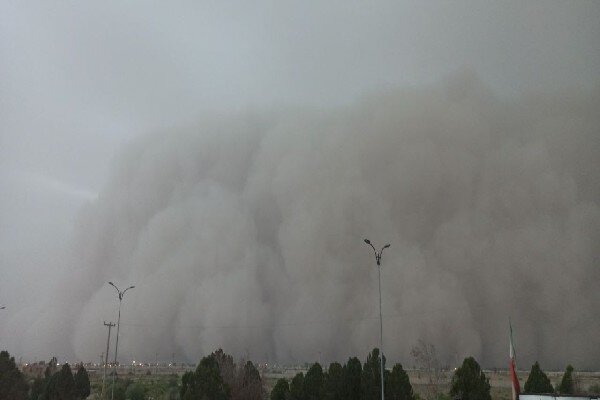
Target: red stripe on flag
(513, 377)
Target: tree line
(218, 377)
(56, 384)
(351, 381)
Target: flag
(516, 389)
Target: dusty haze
(246, 232)
(229, 158)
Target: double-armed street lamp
(378, 260)
(121, 293)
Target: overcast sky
(79, 80)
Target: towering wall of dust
(246, 233)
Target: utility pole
(109, 325)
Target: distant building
(35, 370)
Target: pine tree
(567, 386)
(333, 387)
(352, 379)
(205, 382)
(397, 384)
(13, 385)
(371, 376)
(469, 382)
(538, 382)
(61, 385)
(313, 382)
(248, 384)
(297, 387)
(82, 383)
(281, 390)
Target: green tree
(469, 382)
(188, 381)
(119, 391)
(13, 385)
(333, 387)
(397, 384)
(205, 383)
(61, 385)
(50, 387)
(281, 390)
(313, 382)
(371, 376)
(37, 389)
(51, 369)
(538, 381)
(567, 386)
(82, 383)
(248, 384)
(135, 391)
(226, 367)
(297, 387)
(172, 394)
(352, 379)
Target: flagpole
(516, 389)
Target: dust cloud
(246, 232)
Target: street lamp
(378, 259)
(120, 293)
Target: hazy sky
(80, 80)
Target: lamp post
(378, 260)
(120, 293)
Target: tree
(37, 389)
(171, 394)
(135, 392)
(13, 385)
(313, 382)
(118, 391)
(226, 367)
(333, 387)
(371, 376)
(425, 356)
(61, 385)
(188, 380)
(281, 390)
(538, 382)
(82, 383)
(51, 368)
(248, 385)
(205, 383)
(397, 384)
(567, 386)
(352, 379)
(469, 382)
(297, 387)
